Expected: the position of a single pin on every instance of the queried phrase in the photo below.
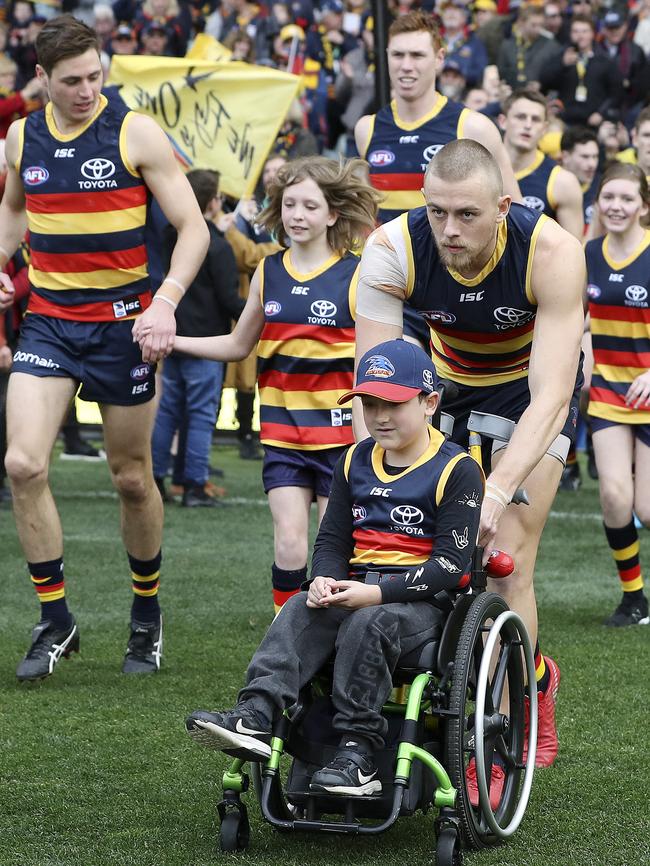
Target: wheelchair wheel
(448, 851)
(503, 732)
(234, 834)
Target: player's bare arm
(150, 153)
(558, 276)
(13, 219)
(362, 133)
(568, 203)
(481, 129)
(234, 346)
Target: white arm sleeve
(382, 284)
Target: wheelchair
(461, 698)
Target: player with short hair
(500, 286)
(79, 177)
(580, 156)
(545, 185)
(401, 138)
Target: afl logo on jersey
(593, 291)
(429, 152)
(438, 316)
(534, 203)
(381, 157)
(272, 308)
(359, 513)
(35, 175)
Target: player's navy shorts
(509, 400)
(640, 431)
(101, 356)
(289, 467)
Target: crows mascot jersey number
(394, 516)
(399, 152)
(86, 212)
(619, 307)
(537, 184)
(306, 352)
(481, 328)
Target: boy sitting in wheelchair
(400, 527)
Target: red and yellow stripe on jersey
(398, 151)
(395, 515)
(619, 309)
(481, 328)
(86, 211)
(306, 352)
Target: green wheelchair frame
(481, 662)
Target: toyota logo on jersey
(98, 168)
(406, 515)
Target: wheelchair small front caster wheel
(448, 851)
(235, 831)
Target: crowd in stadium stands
(587, 61)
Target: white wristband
(167, 300)
(498, 494)
(175, 283)
(495, 498)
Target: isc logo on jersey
(323, 313)
(379, 158)
(534, 203)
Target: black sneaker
(571, 480)
(249, 449)
(630, 613)
(240, 732)
(49, 643)
(196, 497)
(82, 451)
(350, 773)
(144, 650)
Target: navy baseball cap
(395, 371)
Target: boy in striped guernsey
(400, 528)
(618, 293)
(301, 308)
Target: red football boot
(497, 782)
(546, 730)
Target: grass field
(96, 770)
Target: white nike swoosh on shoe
(241, 729)
(365, 779)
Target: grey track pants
(368, 644)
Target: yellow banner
(220, 116)
(206, 47)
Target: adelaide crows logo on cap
(380, 366)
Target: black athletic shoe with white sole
(350, 773)
(49, 644)
(630, 613)
(144, 650)
(239, 732)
